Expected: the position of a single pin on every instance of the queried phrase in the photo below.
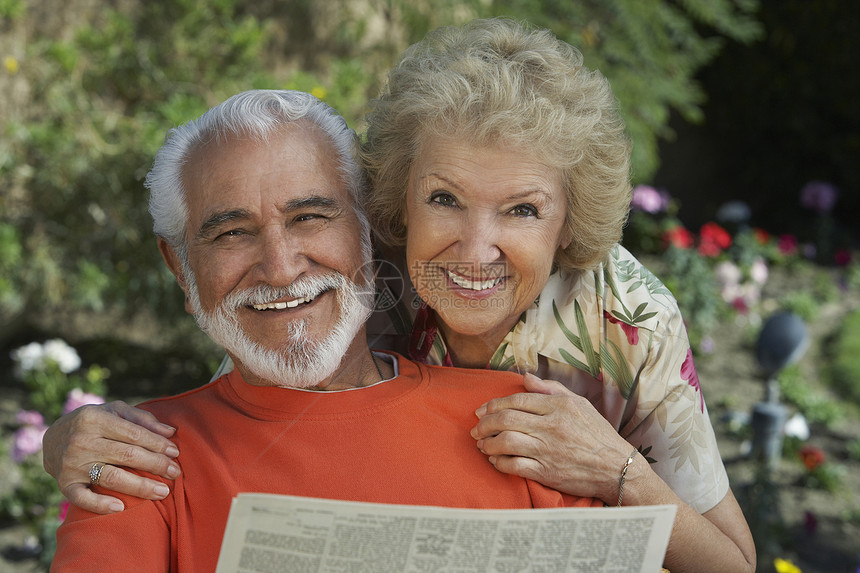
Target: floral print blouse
(615, 335)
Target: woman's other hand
(555, 437)
(113, 434)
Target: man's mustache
(305, 287)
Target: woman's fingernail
(173, 471)
(116, 506)
(172, 451)
(481, 411)
(162, 491)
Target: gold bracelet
(624, 474)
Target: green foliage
(802, 303)
(853, 448)
(796, 390)
(650, 51)
(845, 366)
(11, 9)
(828, 476)
(103, 94)
(51, 372)
(49, 387)
(691, 280)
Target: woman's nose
(479, 240)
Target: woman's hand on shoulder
(553, 436)
(113, 434)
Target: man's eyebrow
(314, 201)
(217, 219)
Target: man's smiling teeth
(282, 305)
(472, 284)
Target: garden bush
(845, 369)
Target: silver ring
(96, 473)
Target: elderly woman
(502, 165)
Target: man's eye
(308, 217)
(230, 233)
(443, 198)
(524, 211)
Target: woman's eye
(524, 211)
(444, 199)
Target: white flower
(758, 271)
(727, 274)
(64, 355)
(28, 357)
(35, 356)
(796, 427)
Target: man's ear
(171, 259)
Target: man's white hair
(255, 114)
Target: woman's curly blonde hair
(497, 82)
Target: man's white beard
(299, 361)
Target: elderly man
(255, 211)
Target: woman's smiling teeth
(473, 284)
(282, 305)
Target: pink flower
(30, 417)
(27, 441)
(819, 196)
(78, 398)
(631, 331)
(648, 199)
(688, 373)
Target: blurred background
(746, 128)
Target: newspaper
(269, 533)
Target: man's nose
(281, 257)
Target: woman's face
(483, 225)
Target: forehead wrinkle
(434, 175)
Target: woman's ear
(565, 237)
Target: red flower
(679, 237)
(787, 244)
(842, 257)
(713, 240)
(761, 236)
(812, 457)
(631, 331)
(740, 305)
(688, 373)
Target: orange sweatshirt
(405, 441)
